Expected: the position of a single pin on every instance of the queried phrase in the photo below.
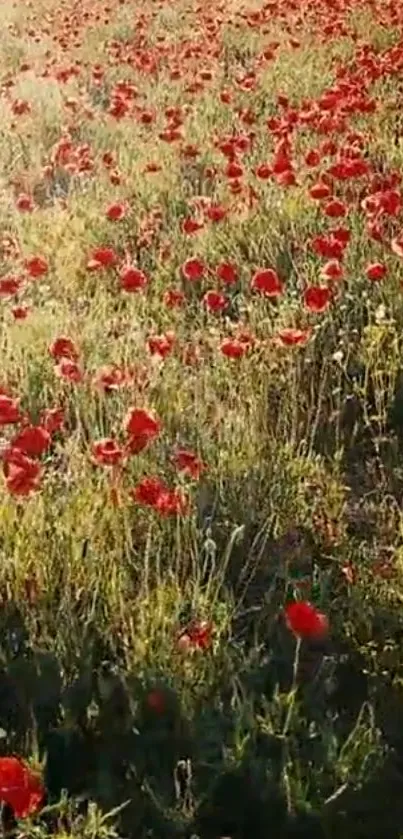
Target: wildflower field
(201, 419)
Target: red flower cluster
(20, 788)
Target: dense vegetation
(201, 417)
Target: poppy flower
(156, 701)
(171, 502)
(329, 247)
(317, 298)
(193, 269)
(320, 190)
(32, 440)
(24, 203)
(109, 378)
(197, 636)
(9, 286)
(102, 258)
(335, 209)
(188, 462)
(107, 452)
(233, 348)
(342, 235)
(20, 106)
(22, 474)
(20, 788)
(174, 298)
(290, 337)
(233, 170)
(148, 491)
(190, 226)
(152, 167)
(332, 270)
(227, 273)
(20, 312)
(376, 271)
(312, 158)
(9, 410)
(161, 345)
(132, 279)
(216, 213)
(36, 266)
(52, 419)
(214, 301)
(263, 171)
(141, 428)
(69, 370)
(305, 621)
(116, 212)
(64, 348)
(267, 282)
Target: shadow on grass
(103, 742)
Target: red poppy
(320, 190)
(64, 348)
(20, 788)
(329, 247)
(376, 271)
(9, 286)
(152, 167)
(214, 301)
(198, 635)
(188, 462)
(267, 282)
(227, 272)
(317, 298)
(290, 337)
(32, 440)
(306, 621)
(36, 266)
(190, 226)
(216, 213)
(193, 269)
(172, 502)
(20, 312)
(69, 370)
(233, 170)
(156, 701)
(20, 106)
(148, 491)
(142, 428)
(52, 419)
(233, 348)
(332, 270)
(24, 203)
(263, 171)
(342, 235)
(132, 279)
(102, 258)
(110, 377)
(312, 158)
(116, 212)
(335, 209)
(161, 345)
(174, 298)
(107, 452)
(22, 474)
(9, 410)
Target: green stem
(294, 688)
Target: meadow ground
(201, 411)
